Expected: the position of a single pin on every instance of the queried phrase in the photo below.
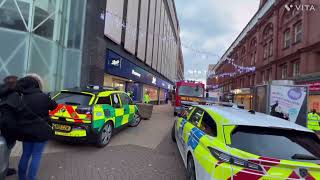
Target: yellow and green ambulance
(92, 114)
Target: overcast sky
(210, 25)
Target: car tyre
(105, 135)
(173, 133)
(191, 172)
(136, 121)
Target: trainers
(11, 171)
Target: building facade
(134, 45)
(282, 41)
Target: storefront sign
(119, 66)
(287, 100)
(314, 86)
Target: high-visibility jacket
(313, 121)
(146, 98)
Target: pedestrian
(146, 97)
(313, 120)
(8, 104)
(33, 124)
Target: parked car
(218, 142)
(92, 114)
(4, 157)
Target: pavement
(145, 152)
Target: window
(104, 100)
(196, 116)
(115, 101)
(125, 99)
(270, 74)
(298, 32)
(196, 91)
(270, 48)
(269, 142)
(263, 78)
(287, 39)
(296, 68)
(284, 71)
(208, 125)
(265, 51)
(70, 98)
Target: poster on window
(289, 103)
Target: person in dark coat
(33, 124)
(9, 102)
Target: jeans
(34, 151)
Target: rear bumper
(78, 133)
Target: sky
(210, 26)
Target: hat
(37, 78)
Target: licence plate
(62, 127)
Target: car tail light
(224, 157)
(85, 110)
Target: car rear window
(71, 98)
(275, 143)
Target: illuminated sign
(115, 62)
(135, 73)
(154, 80)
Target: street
(144, 152)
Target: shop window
(196, 116)
(115, 101)
(104, 100)
(284, 71)
(287, 39)
(298, 32)
(296, 68)
(208, 125)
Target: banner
(287, 102)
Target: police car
(219, 142)
(92, 114)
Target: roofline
(260, 13)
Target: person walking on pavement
(33, 124)
(8, 98)
(313, 120)
(146, 98)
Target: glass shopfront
(138, 80)
(44, 37)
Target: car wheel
(105, 135)
(191, 172)
(173, 133)
(136, 121)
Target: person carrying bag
(33, 127)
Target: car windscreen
(193, 91)
(275, 143)
(71, 98)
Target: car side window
(125, 99)
(208, 125)
(196, 116)
(104, 100)
(115, 101)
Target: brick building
(282, 41)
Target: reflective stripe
(74, 133)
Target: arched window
(268, 41)
(253, 51)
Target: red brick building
(282, 41)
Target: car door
(119, 110)
(188, 129)
(128, 108)
(206, 135)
